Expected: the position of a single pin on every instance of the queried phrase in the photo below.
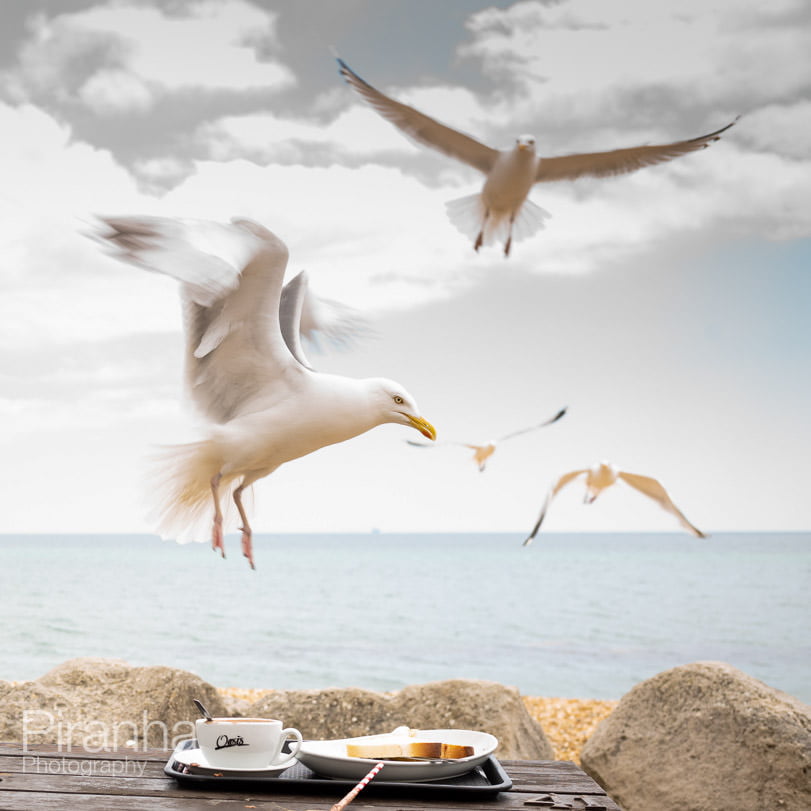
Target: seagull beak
(522, 147)
(423, 426)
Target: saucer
(188, 754)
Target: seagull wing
(422, 128)
(534, 427)
(653, 489)
(338, 323)
(291, 305)
(231, 277)
(619, 161)
(440, 443)
(562, 481)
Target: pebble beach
(567, 722)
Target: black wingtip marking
(711, 137)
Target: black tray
(485, 780)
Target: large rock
(457, 703)
(101, 703)
(704, 737)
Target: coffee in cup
(245, 743)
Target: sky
(668, 309)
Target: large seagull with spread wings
(245, 369)
(502, 210)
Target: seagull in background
(602, 475)
(501, 211)
(481, 453)
(245, 368)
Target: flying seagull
(481, 453)
(245, 368)
(602, 475)
(501, 211)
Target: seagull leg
(480, 238)
(509, 242)
(247, 532)
(216, 530)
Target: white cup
(245, 743)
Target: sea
(572, 615)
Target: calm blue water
(572, 615)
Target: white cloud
(113, 91)
(781, 128)
(121, 55)
(356, 132)
(641, 66)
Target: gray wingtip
(343, 67)
(301, 278)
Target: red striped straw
(341, 804)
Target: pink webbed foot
(217, 536)
(247, 545)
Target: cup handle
(296, 735)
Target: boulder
(100, 703)
(702, 737)
(5, 686)
(456, 703)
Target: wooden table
(43, 777)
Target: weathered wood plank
(560, 776)
(552, 776)
(16, 750)
(25, 801)
(168, 787)
(52, 801)
(56, 764)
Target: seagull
(501, 211)
(245, 368)
(601, 476)
(481, 453)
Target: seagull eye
(399, 400)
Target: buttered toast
(388, 750)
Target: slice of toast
(455, 751)
(395, 749)
(388, 750)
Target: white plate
(329, 758)
(189, 754)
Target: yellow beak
(423, 426)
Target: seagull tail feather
(468, 214)
(530, 219)
(180, 486)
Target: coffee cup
(245, 743)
